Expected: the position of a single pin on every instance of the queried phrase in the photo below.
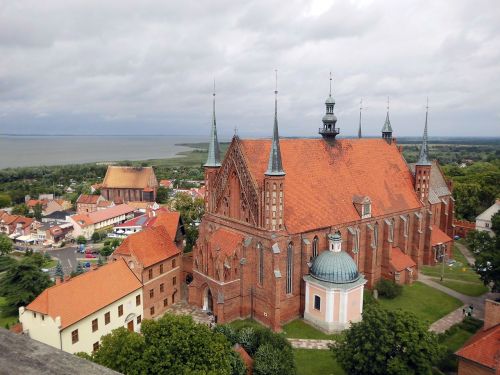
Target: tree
(122, 351)
(96, 237)
(171, 345)
(22, 282)
(387, 342)
(20, 209)
(5, 244)
(486, 250)
(191, 213)
(37, 212)
(495, 224)
(80, 240)
(79, 269)
(271, 360)
(5, 200)
(100, 262)
(59, 271)
(162, 194)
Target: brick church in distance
(271, 205)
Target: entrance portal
(208, 303)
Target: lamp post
(442, 254)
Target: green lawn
(469, 289)
(50, 264)
(316, 362)
(298, 329)
(457, 340)
(427, 303)
(237, 324)
(10, 320)
(458, 271)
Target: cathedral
(293, 225)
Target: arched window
(356, 241)
(375, 236)
(391, 230)
(406, 225)
(289, 268)
(260, 255)
(315, 246)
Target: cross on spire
(360, 109)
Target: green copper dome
(335, 267)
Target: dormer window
(363, 205)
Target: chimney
(491, 313)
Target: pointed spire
(275, 166)
(360, 109)
(387, 124)
(423, 158)
(213, 159)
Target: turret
(274, 180)
(329, 131)
(423, 166)
(387, 128)
(213, 161)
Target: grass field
(316, 362)
(471, 285)
(457, 339)
(298, 329)
(427, 303)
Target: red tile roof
(438, 236)
(150, 246)
(169, 220)
(225, 240)
(102, 215)
(85, 294)
(483, 348)
(129, 177)
(400, 260)
(321, 180)
(88, 199)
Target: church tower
(423, 167)
(213, 162)
(387, 129)
(329, 131)
(274, 180)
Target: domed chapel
(297, 227)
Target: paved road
(68, 257)
(466, 252)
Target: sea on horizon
(32, 151)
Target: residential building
(167, 184)
(155, 259)
(86, 224)
(124, 184)
(58, 216)
(15, 225)
(481, 353)
(74, 315)
(483, 220)
(271, 205)
(170, 220)
(88, 203)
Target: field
(298, 329)
(459, 276)
(427, 303)
(316, 362)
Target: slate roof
(438, 186)
(321, 180)
(129, 177)
(87, 293)
(490, 211)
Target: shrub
(248, 339)
(368, 298)
(471, 324)
(388, 289)
(238, 367)
(270, 360)
(227, 331)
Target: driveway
(69, 257)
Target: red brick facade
(254, 244)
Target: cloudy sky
(147, 67)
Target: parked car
(456, 237)
(90, 255)
(87, 265)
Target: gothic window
(289, 268)
(391, 230)
(406, 223)
(375, 237)
(355, 249)
(260, 254)
(315, 247)
(367, 210)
